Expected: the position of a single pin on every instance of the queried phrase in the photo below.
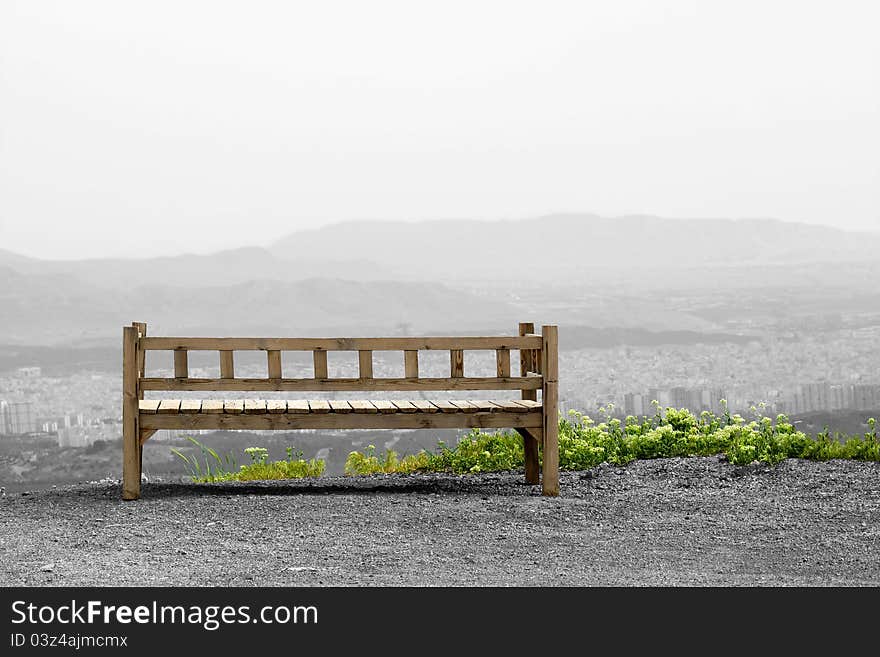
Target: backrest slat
(227, 364)
(365, 363)
(411, 363)
(273, 363)
(456, 362)
(502, 361)
(320, 359)
(181, 368)
(526, 359)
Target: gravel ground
(681, 522)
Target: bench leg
(550, 480)
(131, 462)
(531, 439)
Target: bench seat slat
(383, 405)
(149, 405)
(512, 406)
(484, 406)
(297, 406)
(212, 406)
(276, 405)
(340, 406)
(233, 406)
(321, 406)
(424, 406)
(446, 406)
(254, 406)
(464, 405)
(190, 405)
(169, 406)
(362, 406)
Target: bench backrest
(538, 353)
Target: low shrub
(583, 444)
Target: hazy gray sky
(142, 128)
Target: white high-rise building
(17, 418)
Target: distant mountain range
(543, 248)
(561, 244)
(430, 276)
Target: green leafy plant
(584, 444)
(223, 469)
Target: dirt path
(693, 521)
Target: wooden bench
(535, 420)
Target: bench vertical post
(530, 445)
(141, 372)
(550, 403)
(131, 449)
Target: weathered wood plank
(318, 406)
(456, 363)
(365, 364)
(254, 406)
(276, 405)
(442, 343)
(550, 400)
(141, 354)
(484, 406)
(181, 369)
(233, 406)
(424, 406)
(530, 447)
(384, 406)
(363, 406)
(340, 406)
(511, 405)
(464, 405)
(320, 360)
(273, 362)
(404, 406)
(212, 406)
(291, 421)
(445, 406)
(131, 447)
(298, 406)
(148, 405)
(526, 363)
(190, 405)
(227, 364)
(146, 434)
(529, 383)
(169, 406)
(502, 360)
(411, 364)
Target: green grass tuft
(223, 469)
